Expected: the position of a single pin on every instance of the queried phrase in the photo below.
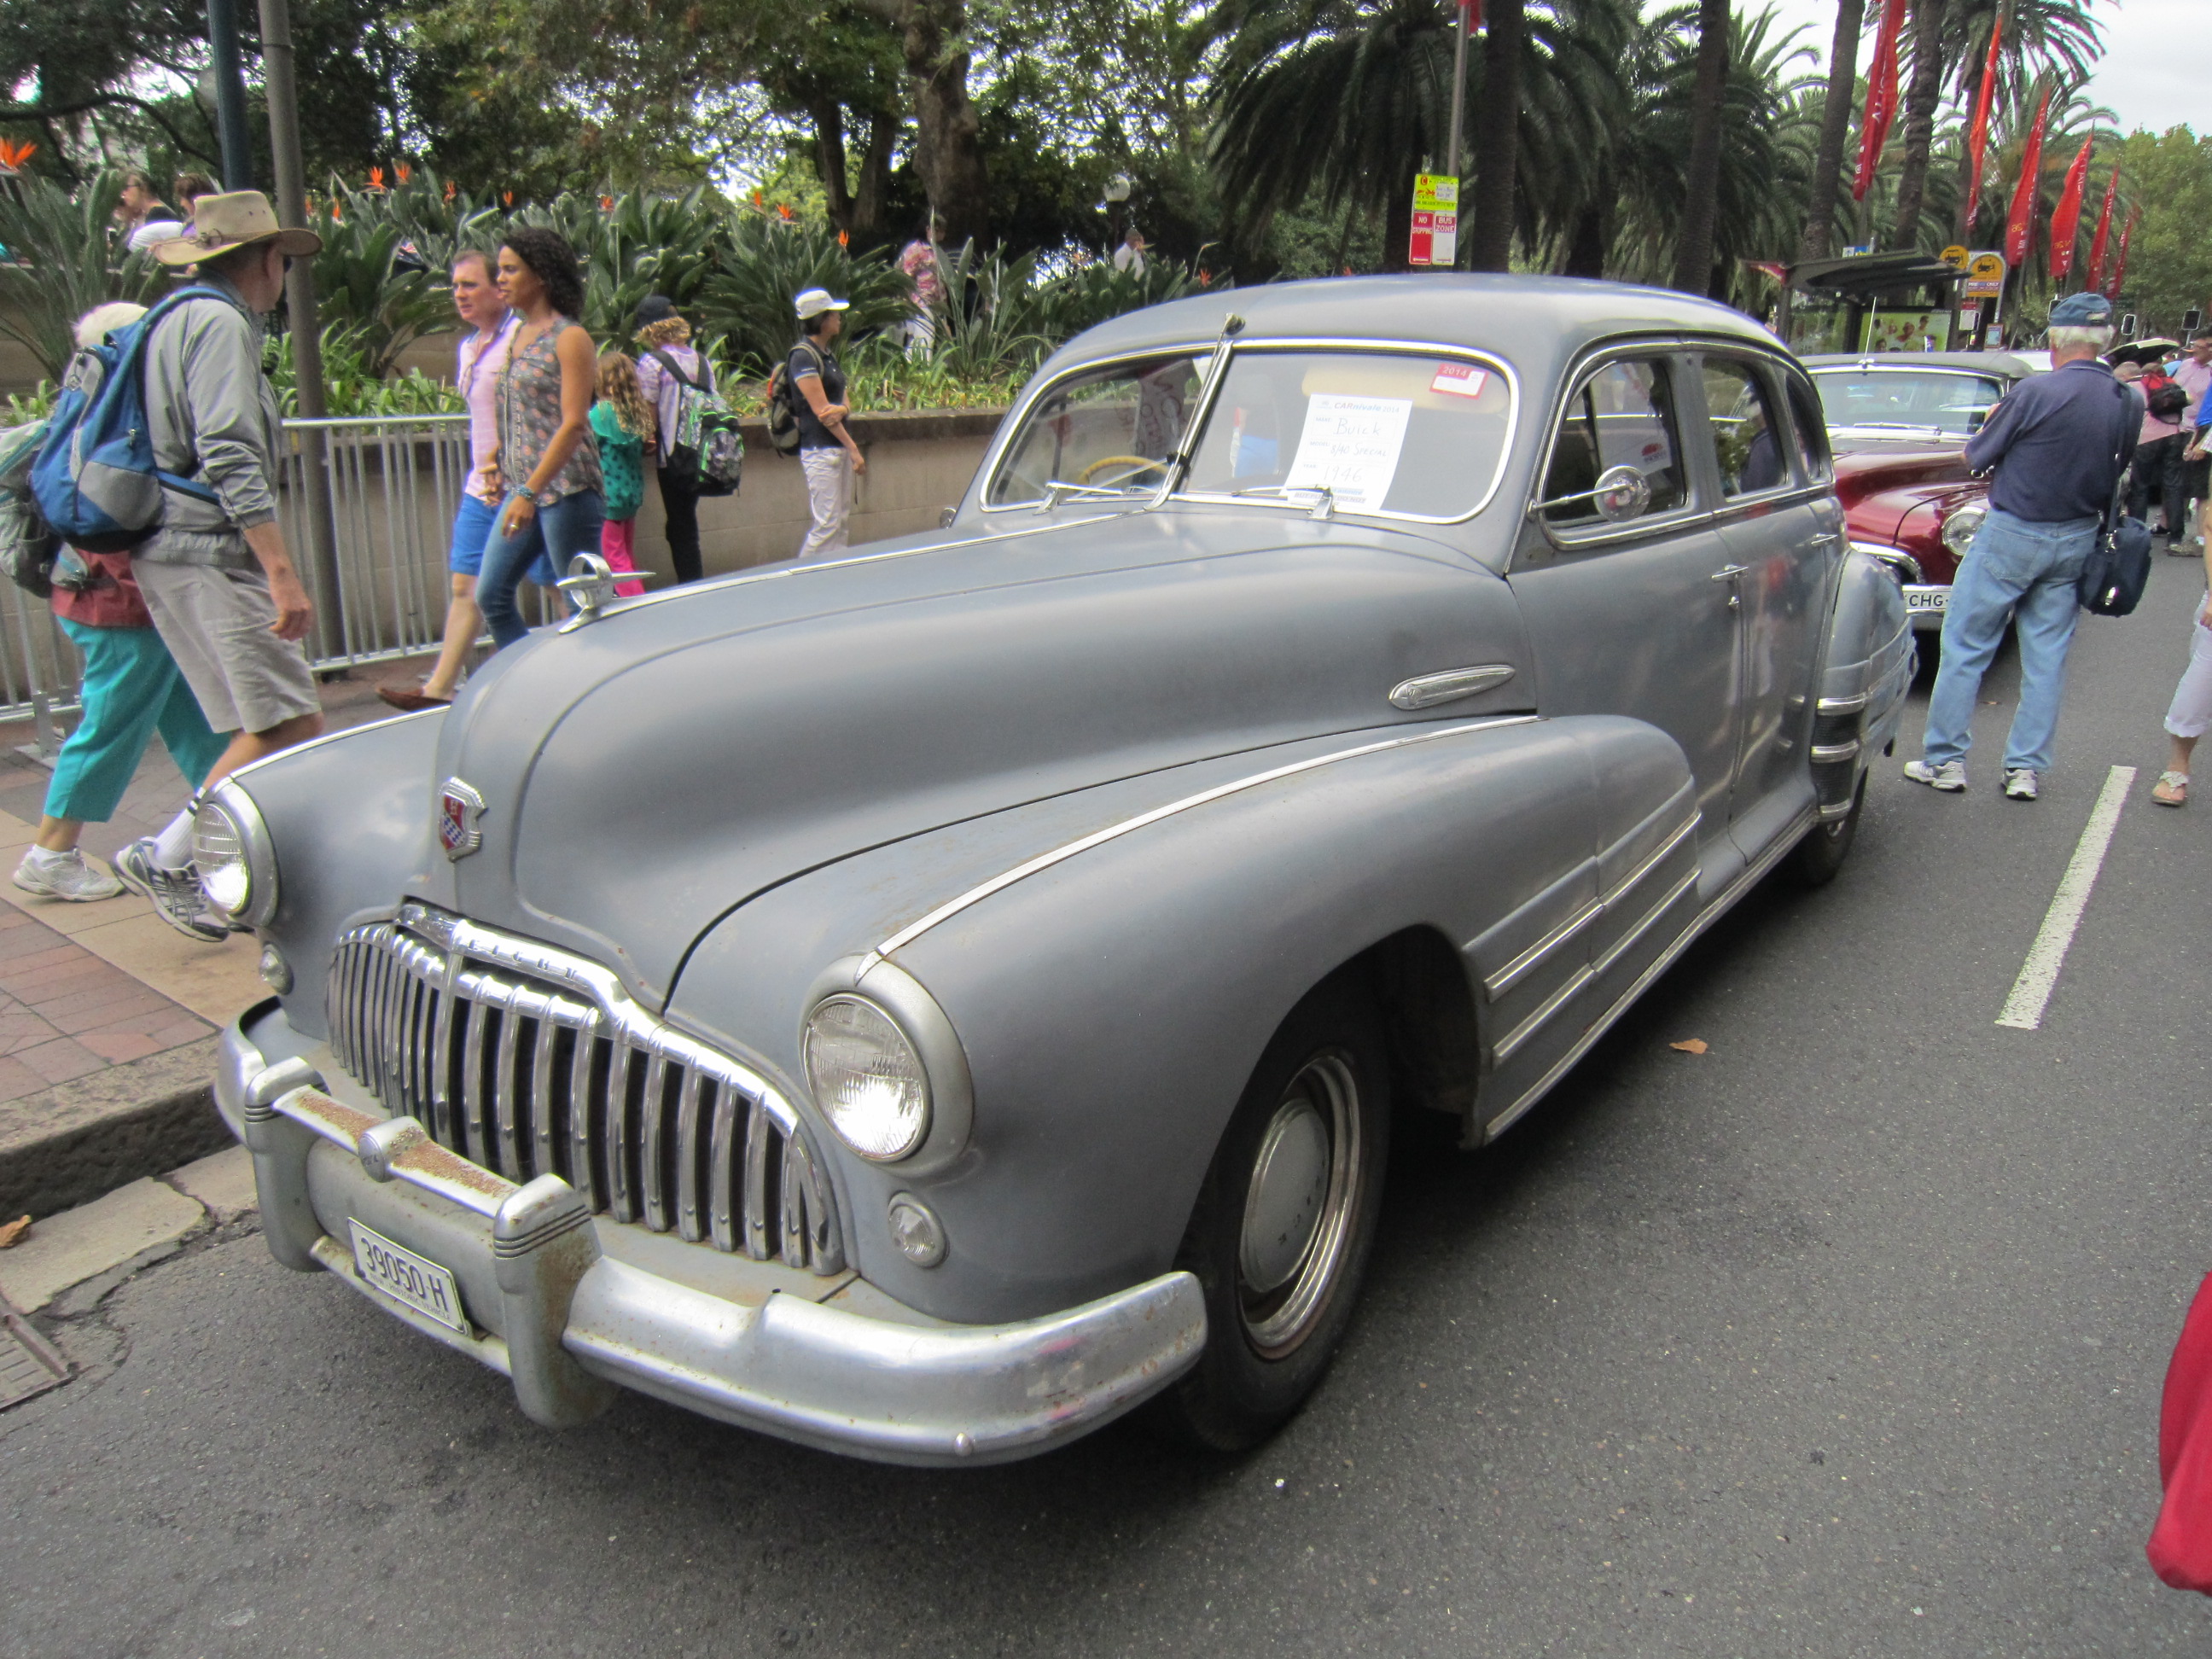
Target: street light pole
(277, 77)
(228, 70)
(1458, 120)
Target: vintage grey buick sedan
(926, 1003)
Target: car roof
(2002, 363)
(1537, 323)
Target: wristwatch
(526, 492)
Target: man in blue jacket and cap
(2057, 444)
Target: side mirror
(1622, 494)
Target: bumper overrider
(557, 1299)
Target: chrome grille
(531, 1061)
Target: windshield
(1942, 399)
(1106, 433)
(1417, 435)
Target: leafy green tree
(2169, 176)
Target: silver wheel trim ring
(1277, 1321)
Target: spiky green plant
(764, 263)
(67, 261)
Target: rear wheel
(1281, 1232)
(1816, 858)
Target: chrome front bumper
(567, 1318)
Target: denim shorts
(472, 527)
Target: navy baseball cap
(2082, 311)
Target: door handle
(1729, 573)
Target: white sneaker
(1950, 777)
(176, 893)
(2019, 784)
(64, 876)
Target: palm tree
(1932, 41)
(1694, 258)
(1498, 129)
(1769, 134)
(1345, 98)
(1835, 127)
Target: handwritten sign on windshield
(1350, 446)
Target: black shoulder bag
(2118, 567)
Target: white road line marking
(2023, 1009)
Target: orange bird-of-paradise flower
(1205, 279)
(404, 171)
(508, 197)
(758, 201)
(606, 205)
(376, 177)
(844, 238)
(452, 190)
(14, 155)
(783, 212)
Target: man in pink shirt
(483, 355)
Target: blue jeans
(131, 690)
(2032, 570)
(562, 528)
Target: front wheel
(1280, 1235)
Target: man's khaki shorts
(215, 622)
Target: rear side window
(1747, 431)
(1812, 435)
(1622, 414)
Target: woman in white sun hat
(826, 449)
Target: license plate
(400, 1273)
(1931, 600)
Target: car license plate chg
(401, 1275)
(1932, 600)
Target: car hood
(644, 774)
(1880, 488)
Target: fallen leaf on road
(1690, 1046)
(14, 1232)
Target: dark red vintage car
(1899, 423)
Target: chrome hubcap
(1298, 1205)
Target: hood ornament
(460, 810)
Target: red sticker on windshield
(1461, 379)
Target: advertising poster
(1907, 331)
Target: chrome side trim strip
(1621, 889)
(1749, 877)
(1827, 754)
(1044, 861)
(1621, 946)
(1511, 1043)
(1519, 969)
(1427, 690)
(1841, 705)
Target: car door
(1632, 613)
(1783, 534)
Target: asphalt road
(1844, 1337)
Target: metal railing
(394, 483)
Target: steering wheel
(1141, 463)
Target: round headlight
(219, 858)
(1959, 529)
(866, 1079)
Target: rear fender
(1867, 668)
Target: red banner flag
(2066, 217)
(1882, 97)
(2101, 241)
(2120, 270)
(1978, 136)
(2020, 223)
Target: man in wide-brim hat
(216, 576)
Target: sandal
(2172, 789)
(409, 699)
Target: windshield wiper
(1324, 505)
(1056, 490)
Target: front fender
(349, 817)
(1111, 999)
